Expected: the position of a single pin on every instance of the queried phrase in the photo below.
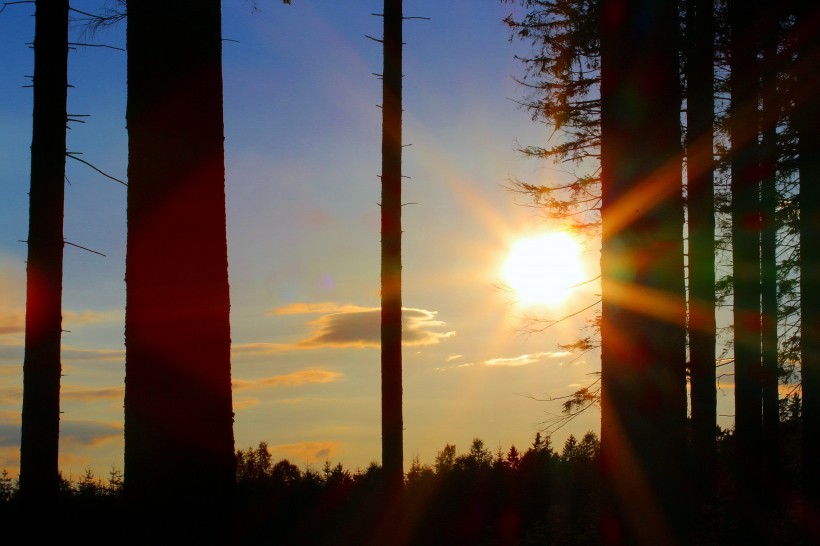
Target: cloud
(244, 403)
(75, 394)
(524, 360)
(453, 357)
(75, 353)
(12, 321)
(258, 348)
(346, 326)
(312, 308)
(289, 380)
(307, 451)
(10, 459)
(10, 396)
(513, 361)
(73, 318)
(10, 434)
(15, 350)
(360, 327)
(89, 433)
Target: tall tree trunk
(807, 120)
(391, 314)
(39, 474)
(179, 442)
(744, 121)
(700, 121)
(768, 33)
(643, 331)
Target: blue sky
(302, 146)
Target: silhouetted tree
(744, 122)
(770, 107)
(179, 447)
(391, 298)
(700, 116)
(643, 331)
(39, 474)
(807, 121)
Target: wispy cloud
(73, 318)
(76, 394)
(89, 433)
(361, 326)
(453, 357)
(306, 451)
(12, 321)
(289, 380)
(319, 308)
(509, 361)
(9, 459)
(76, 353)
(524, 360)
(353, 326)
(10, 396)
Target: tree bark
(744, 121)
(807, 121)
(770, 373)
(643, 331)
(179, 445)
(391, 312)
(700, 121)
(39, 474)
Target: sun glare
(543, 269)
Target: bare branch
(83, 161)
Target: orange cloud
(306, 451)
(88, 316)
(89, 433)
(12, 321)
(10, 460)
(89, 395)
(73, 353)
(312, 308)
(289, 380)
(11, 396)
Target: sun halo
(542, 270)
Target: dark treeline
(535, 496)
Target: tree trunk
(643, 331)
(700, 120)
(179, 443)
(807, 120)
(39, 474)
(768, 33)
(391, 314)
(744, 121)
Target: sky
(302, 145)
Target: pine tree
(391, 310)
(700, 119)
(39, 474)
(643, 358)
(179, 445)
(744, 122)
(807, 121)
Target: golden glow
(544, 269)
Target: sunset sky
(302, 131)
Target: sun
(542, 270)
